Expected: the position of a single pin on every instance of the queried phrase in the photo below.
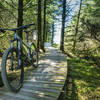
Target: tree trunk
(63, 26)
(39, 44)
(44, 26)
(77, 24)
(20, 16)
(52, 39)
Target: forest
(79, 38)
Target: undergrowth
(83, 81)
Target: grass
(83, 81)
(55, 45)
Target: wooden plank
(49, 74)
(18, 96)
(42, 89)
(48, 82)
(51, 80)
(39, 93)
(43, 84)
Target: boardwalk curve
(45, 82)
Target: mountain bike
(13, 58)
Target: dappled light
(50, 49)
(82, 80)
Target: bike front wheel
(34, 55)
(12, 74)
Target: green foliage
(9, 16)
(88, 36)
(83, 80)
(55, 45)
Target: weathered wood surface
(45, 82)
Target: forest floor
(83, 80)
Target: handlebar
(17, 29)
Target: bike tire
(34, 51)
(6, 75)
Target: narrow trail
(45, 82)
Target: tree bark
(44, 26)
(39, 43)
(20, 16)
(52, 39)
(63, 26)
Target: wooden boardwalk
(45, 82)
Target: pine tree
(39, 44)
(77, 25)
(63, 26)
(20, 15)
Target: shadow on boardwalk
(44, 82)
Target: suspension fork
(11, 60)
(19, 53)
(29, 49)
(29, 53)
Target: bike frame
(19, 43)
